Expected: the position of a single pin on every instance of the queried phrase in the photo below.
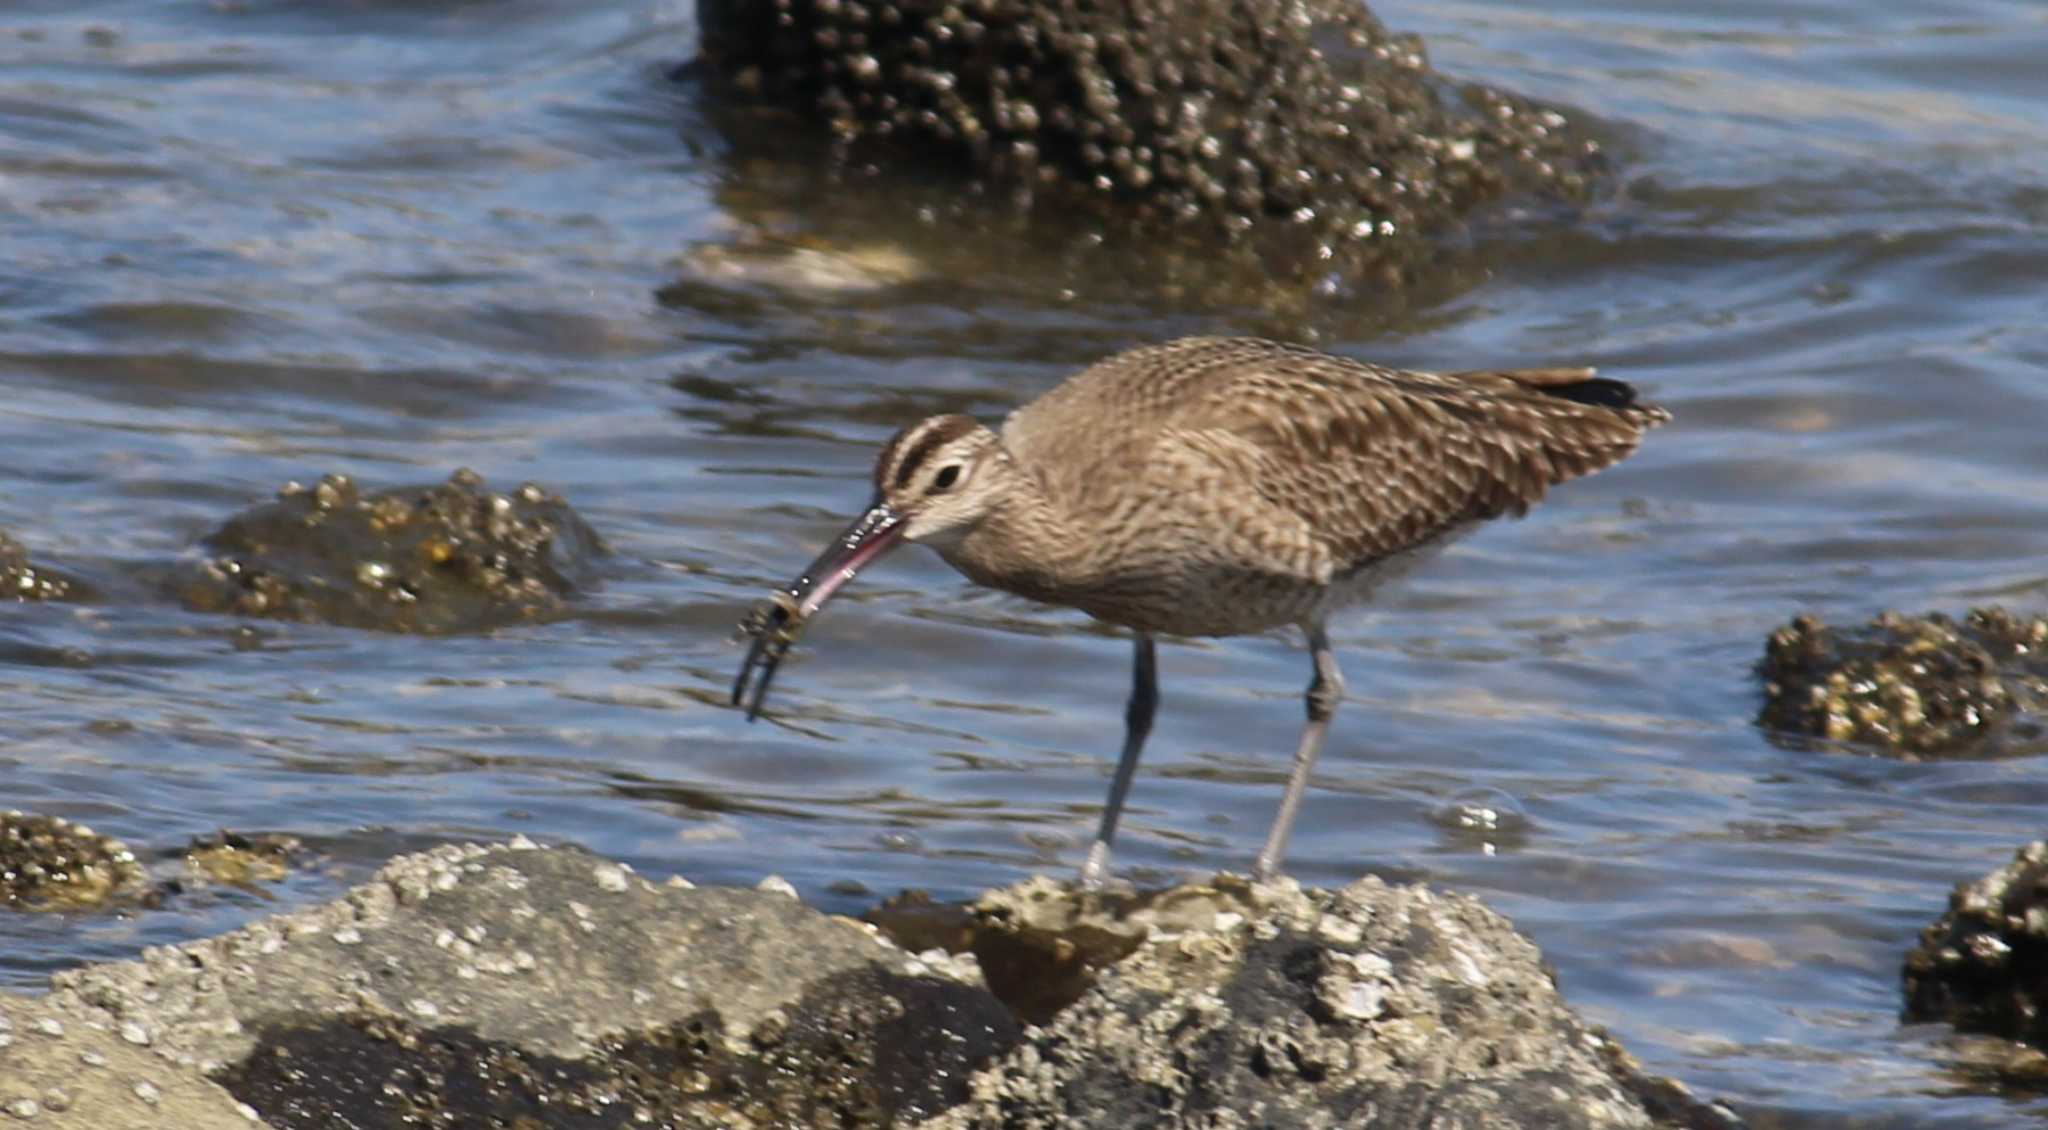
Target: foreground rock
(1238, 1005)
(57, 1070)
(545, 987)
(1299, 133)
(471, 984)
(1983, 967)
(1911, 686)
(447, 558)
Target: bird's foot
(1266, 868)
(1095, 871)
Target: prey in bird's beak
(921, 494)
(775, 623)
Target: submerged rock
(49, 863)
(21, 580)
(243, 860)
(447, 558)
(1304, 124)
(1912, 686)
(757, 260)
(1983, 966)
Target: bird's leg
(1137, 723)
(1324, 692)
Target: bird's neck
(1023, 545)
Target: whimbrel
(1215, 487)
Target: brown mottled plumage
(1219, 486)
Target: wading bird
(1216, 487)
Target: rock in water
(1911, 686)
(1302, 133)
(1983, 967)
(435, 559)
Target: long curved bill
(774, 624)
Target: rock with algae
(1912, 686)
(1299, 134)
(241, 859)
(1983, 966)
(448, 558)
(49, 863)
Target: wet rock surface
(517, 985)
(1301, 135)
(22, 580)
(1271, 1006)
(449, 558)
(872, 1049)
(240, 859)
(49, 863)
(1983, 966)
(468, 984)
(1911, 686)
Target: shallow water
(252, 243)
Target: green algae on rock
(438, 559)
(1983, 966)
(1911, 686)
(242, 860)
(49, 863)
(1300, 133)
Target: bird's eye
(947, 476)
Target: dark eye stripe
(916, 456)
(922, 440)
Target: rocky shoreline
(523, 985)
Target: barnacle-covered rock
(524, 986)
(449, 558)
(1229, 1003)
(49, 863)
(1301, 133)
(1912, 686)
(1983, 967)
(22, 580)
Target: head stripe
(915, 444)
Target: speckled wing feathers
(1321, 465)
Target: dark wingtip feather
(1577, 384)
(1600, 392)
